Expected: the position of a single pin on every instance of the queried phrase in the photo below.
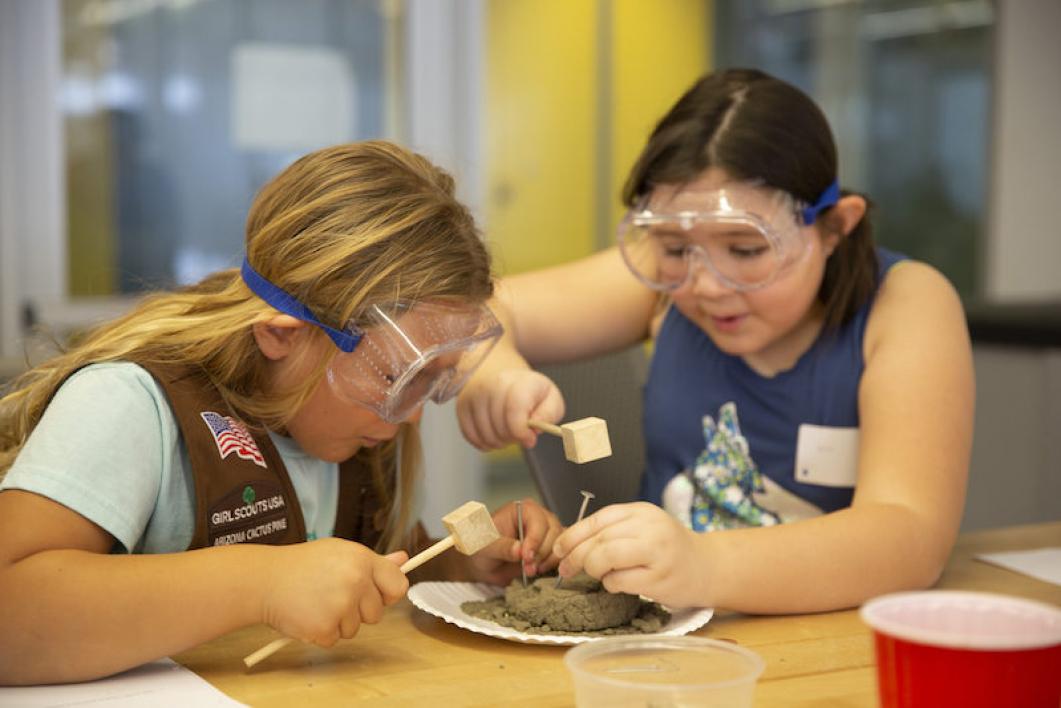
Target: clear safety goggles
(413, 353)
(745, 234)
(396, 358)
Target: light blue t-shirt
(109, 447)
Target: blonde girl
(245, 450)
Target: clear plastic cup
(663, 671)
(969, 649)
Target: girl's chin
(733, 344)
(337, 453)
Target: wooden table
(412, 658)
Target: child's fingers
(468, 424)
(390, 580)
(571, 564)
(590, 526)
(546, 557)
(607, 556)
(537, 523)
(349, 626)
(510, 412)
(489, 437)
(515, 418)
(370, 607)
(633, 581)
(513, 410)
(551, 407)
(595, 556)
(541, 401)
(537, 552)
(328, 640)
(397, 557)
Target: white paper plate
(443, 599)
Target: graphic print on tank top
(725, 489)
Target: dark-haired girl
(809, 406)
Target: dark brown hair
(754, 126)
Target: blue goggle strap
(828, 198)
(288, 304)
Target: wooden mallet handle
(267, 651)
(428, 553)
(546, 427)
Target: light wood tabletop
(412, 658)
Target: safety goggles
(745, 234)
(393, 359)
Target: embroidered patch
(251, 512)
(232, 437)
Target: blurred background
(134, 134)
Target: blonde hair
(340, 229)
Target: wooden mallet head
(471, 527)
(585, 440)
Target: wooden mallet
(471, 529)
(584, 440)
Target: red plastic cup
(949, 648)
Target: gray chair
(608, 387)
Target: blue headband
(288, 304)
(827, 199)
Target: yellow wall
(659, 49)
(540, 117)
(544, 170)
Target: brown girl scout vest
(243, 493)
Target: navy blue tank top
(690, 378)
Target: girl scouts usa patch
(232, 438)
(252, 512)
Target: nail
(586, 496)
(519, 524)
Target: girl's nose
(704, 282)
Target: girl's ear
(849, 212)
(278, 336)
(842, 220)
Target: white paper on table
(1040, 563)
(160, 683)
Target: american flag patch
(232, 437)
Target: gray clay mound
(579, 605)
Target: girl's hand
(638, 549)
(493, 409)
(321, 591)
(499, 562)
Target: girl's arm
(570, 311)
(72, 612)
(916, 418)
(576, 310)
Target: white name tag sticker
(827, 456)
